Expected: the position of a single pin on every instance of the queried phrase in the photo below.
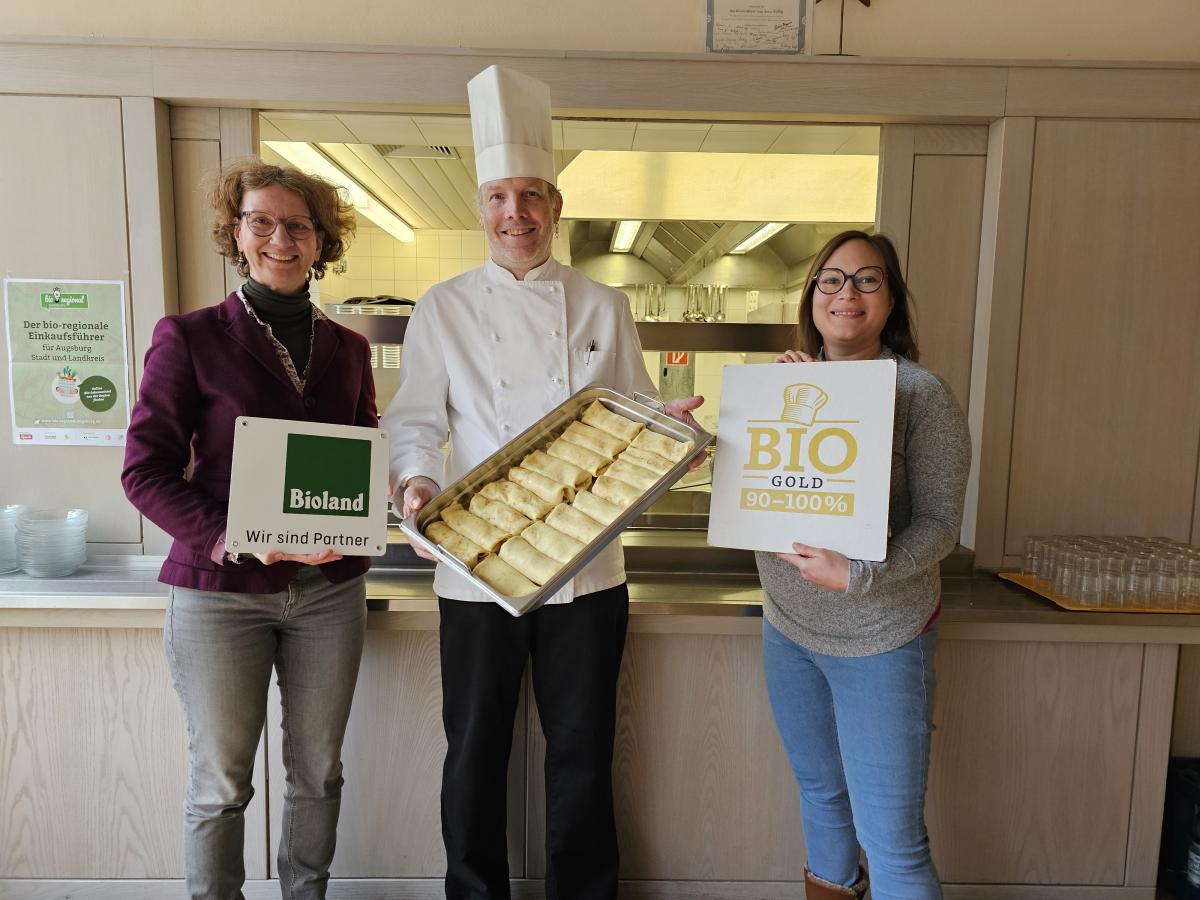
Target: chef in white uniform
(486, 355)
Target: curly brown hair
(333, 214)
(900, 329)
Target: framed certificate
(759, 26)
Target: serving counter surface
(123, 591)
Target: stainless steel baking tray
(537, 437)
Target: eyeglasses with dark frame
(867, 280)
(264, 224)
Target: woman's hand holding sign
(308, 559)
(824, 568)
(794, 356)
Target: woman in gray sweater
(848, 644)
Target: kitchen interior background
(421, 170)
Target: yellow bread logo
(802, 402)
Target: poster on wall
(758, 26)
(804, 455)
(68, 367)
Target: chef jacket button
(310, 402)
(487, 290)
(495, 337)
(556, 379)
(500, 382)
(554, 334)
(506, 427)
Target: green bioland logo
(327, 476)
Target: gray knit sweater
(889, 603)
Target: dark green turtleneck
(290, 318)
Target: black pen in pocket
(591, 348)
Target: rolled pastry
(651, 461)
(455, 544)
(535, 566)
(630, 473)
(614, 491)
(521, 499)
(557, 469)
(499, 514)
(571, 521)
(594, 439)
(504, 578)
(597, 508)
(588, 460)
(599, 416)
(652, 442)
(552, 542)
(473, 528)
(546, 488)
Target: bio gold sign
(804, 455)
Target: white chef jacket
(486, 356)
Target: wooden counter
(1046, 780)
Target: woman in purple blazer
(265, 351)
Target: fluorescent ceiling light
(759, 236)
(624, 235)
(307, 158)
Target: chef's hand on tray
(792, 356)
(824, 568)
(418, 491)
(309, 559)
(681, 409)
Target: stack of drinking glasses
(51, 543)
(1147, 573)
(8, 539)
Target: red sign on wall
(677, 357)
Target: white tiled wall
(377, 263)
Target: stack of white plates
(52, 543)
(8, 539)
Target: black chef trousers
(576, 650)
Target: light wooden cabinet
(1106, 430)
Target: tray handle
(652, 402)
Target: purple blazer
(203, 370)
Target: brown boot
(819, 889)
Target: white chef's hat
(510, 122)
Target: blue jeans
(221, 648)
(856, 731)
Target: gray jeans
(221, 648)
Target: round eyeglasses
(867, 280)
(264, 224)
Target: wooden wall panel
(997, 332)
(62, 180)
(943, 262)
(201, 270)
(1107, 424)
(1020, 722)
(893, 205)
(703, 788)
(92, 758)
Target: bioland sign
(804, 454)
(302, 487)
